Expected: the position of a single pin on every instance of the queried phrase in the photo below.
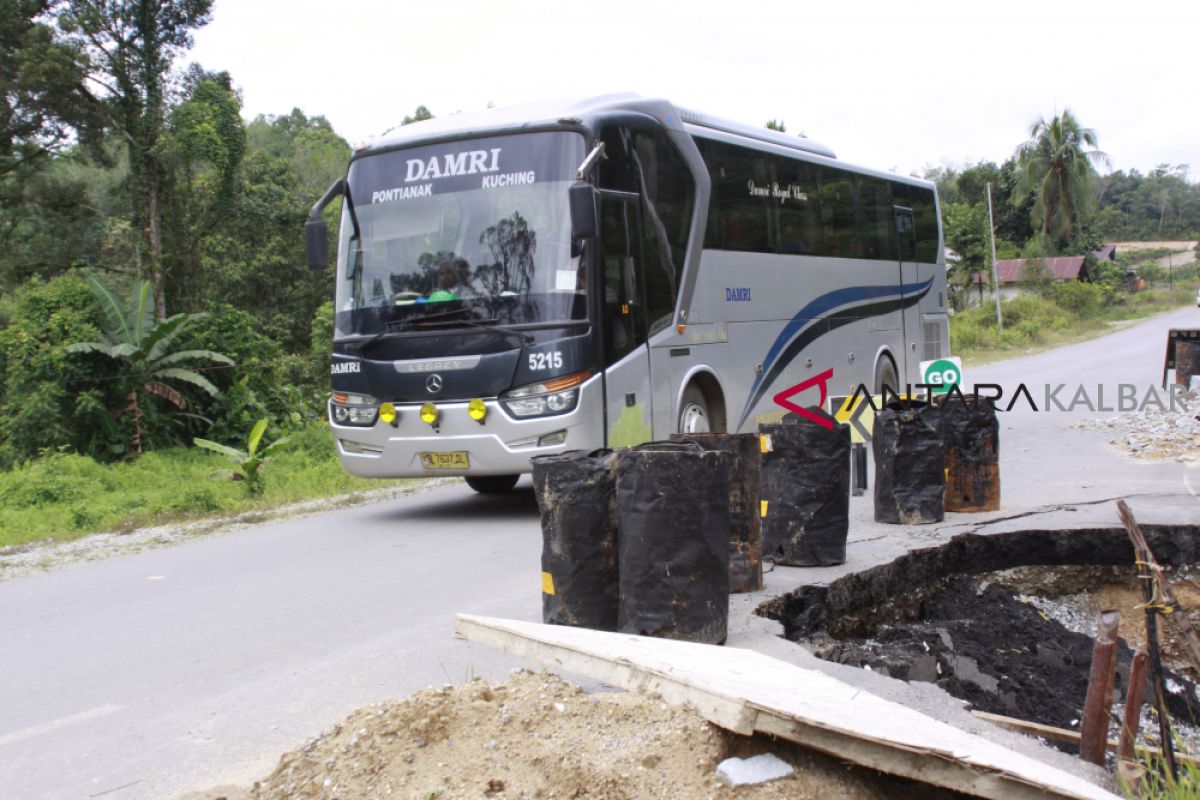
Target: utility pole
(995, 276)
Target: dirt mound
(536, 736)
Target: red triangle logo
(822, 380)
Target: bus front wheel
(492, 484)
(693, 411)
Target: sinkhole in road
(1004, 621)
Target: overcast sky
(898, 85)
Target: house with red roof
(1015, 275)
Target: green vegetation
(1156, 782)
(1048, 200)
(62, 496)
(247, 463)
(1056, 166)
(1072, 312)
(1052, 314)
(142, 348)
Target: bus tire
(885, 375)
(492, 484)
(693, 411)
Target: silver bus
(525, 281)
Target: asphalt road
(178, 669)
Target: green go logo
(942, 374)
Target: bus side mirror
(316, 241)
(583, 211)
(316, 231)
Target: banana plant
(248, 463)
(145, 350)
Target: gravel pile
(1154, 434)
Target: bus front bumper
(499, 445)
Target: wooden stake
(1164, 597)
(1128, 768)
(1097, 708)
(1134, 695)
(1148, 578)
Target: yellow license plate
(454, 460)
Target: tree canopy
(1057, 166)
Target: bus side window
(800, 212)
(876, 226)
(925, 223)
(668, 193)
(616, 168)
(623, 315)
(837, 213)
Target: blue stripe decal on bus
(802, 329)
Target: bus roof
(530, 115)
(553, 112)
(751, 132)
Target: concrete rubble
(1154, 433)
(749, 771)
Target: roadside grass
(66, 496)
(1033, 324)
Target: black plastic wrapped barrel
(576, 494)
(910, 477)
(805, 491)
(971, 441)
(673, 551)
(745, 487)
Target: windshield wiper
(450, 312)
(439, 319)
(490, 325)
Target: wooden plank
(745, 691)
(1029, 728)
(1064, 735)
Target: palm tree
(1057, 164)
(143, 348)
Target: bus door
(910, 326)
(629, 410)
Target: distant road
(149, 675)
(1185, 251)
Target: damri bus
(522, 282)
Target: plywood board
(745, 691)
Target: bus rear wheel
(885, 375)
(693, 411)
(492, 484)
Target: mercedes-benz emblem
(434, 383)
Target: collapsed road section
(1007, 622)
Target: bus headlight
(555, 396)
(353, 409)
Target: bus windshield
(477, 230)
